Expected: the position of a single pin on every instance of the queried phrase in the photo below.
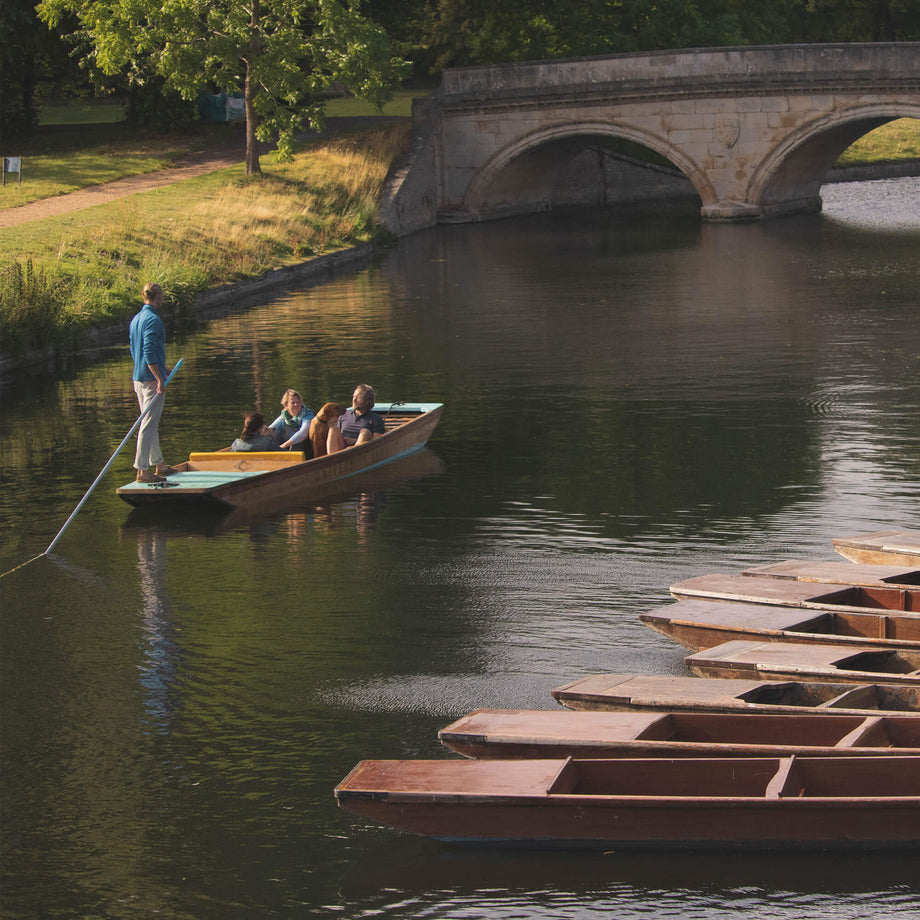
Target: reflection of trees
(158, 670)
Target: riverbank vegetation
(60, 275)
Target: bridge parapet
(708, 70)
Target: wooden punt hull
(840, 572)
(698, 624)
(800, 661)
(258, 482)
(523, 733)
(754, 589)
(617, 692)
(699, 803)
(883, 547)
(181, 520)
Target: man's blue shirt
(147, 338)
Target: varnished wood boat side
(756, 589)
(516, 733)
(655, 693)
(699, 624)
(695, 802)
(883, 547)
(798, 661)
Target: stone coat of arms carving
(728, 127)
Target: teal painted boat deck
(196, 479)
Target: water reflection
(628, 403)
(161, 651)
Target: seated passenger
(292, 427)
(256, 435)
(359, 424)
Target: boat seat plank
(861, 733)
(786, 783)
(225, 456)
(865, 697)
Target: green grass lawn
(60, 275)
(93, 147)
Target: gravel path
(195, 164)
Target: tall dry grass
(205, 232)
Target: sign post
(12, 165)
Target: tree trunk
(252, 151)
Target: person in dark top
(256, 435)
(359, 424)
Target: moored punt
(606, 692)
(517, 733)
(882, 547)
(698, 624)
(754, 589)
(258, 481)
(785, 660)
(839, 572)
(730, 802)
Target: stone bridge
(751, 132)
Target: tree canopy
(283, 55)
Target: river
(630, 400)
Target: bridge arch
(524, 167)
(790, 176)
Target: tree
(283, 55)
(33, 59)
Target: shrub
(32, 311)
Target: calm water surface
(630, 401)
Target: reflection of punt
(702, 624)
(884, 547)
(764, 590)
(516, 733)
(841, 573)
(784, 660)
(771, 802)
(697, 694)
(259, 480)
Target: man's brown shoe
(165, 470)
(149, 476)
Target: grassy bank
(60, 275)
(898, 140)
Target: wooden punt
(883, 547)
(257, 481)
(839, 572)
(699, 624)
(531, 733)
(700, 803)
(802, 661)
(663, 693)
(755, 589)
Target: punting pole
(105, 469)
